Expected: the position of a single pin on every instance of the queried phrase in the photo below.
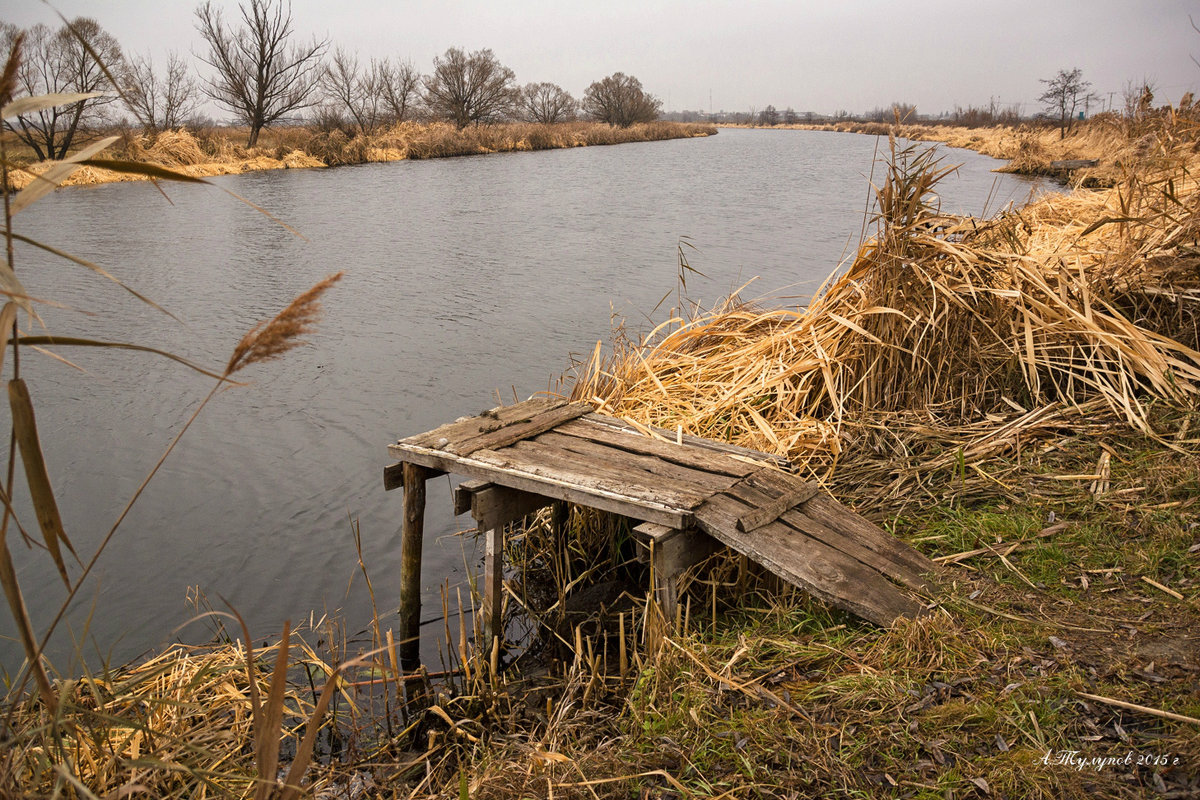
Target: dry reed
(216, 152)
(175, 149)
(271, 339)
(945, 323)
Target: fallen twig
(1162, 588)
(1143, 709)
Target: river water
(467, 280)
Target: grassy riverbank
(1017, 397)
(218, 151)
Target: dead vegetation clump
(164, 726)
(175, 149)
(215, 151)
(1072, 306)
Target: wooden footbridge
(689, 494)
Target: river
(468, 281)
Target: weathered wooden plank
(898, 571)
(773, 509)
(833, 514)
(815, 567)
(539, 459)
(640, 468)
(519, 429)
(683, 455)
(839, 518)
(758, 492)
(843, 529)
(696, 441)
(591, 496)
(493, 419)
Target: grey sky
(819, 56)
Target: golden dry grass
(1088, 300)
(1115, 141)
(217, 152)
(178, 724)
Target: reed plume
(8, 81)
(271, 339)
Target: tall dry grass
(962, 331)
(1115, 140)
(211, 152)
(440, 140)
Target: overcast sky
(819, 56)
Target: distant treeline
(254, 66)
(1066, 98)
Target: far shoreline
(215, 153)
(1029, 149)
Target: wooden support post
(672, 552)
(493, 507)
(493, 585)
(559, 514)
(410, 565)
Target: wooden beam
(560, 513)
(496, 506)
(672, 552)
(463, 494)
(393, 476)
(521, 429)
(411, 542)
(555, 487)
(774, 509)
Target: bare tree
(547, 103)
(1138, 98)
(259, 76)
(620, 100)
(1064, 94)
(399, 88)
(769, 116)
(353, 90)
(161, 101)
(56, 61)
(470, 88)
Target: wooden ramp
(531, 454)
